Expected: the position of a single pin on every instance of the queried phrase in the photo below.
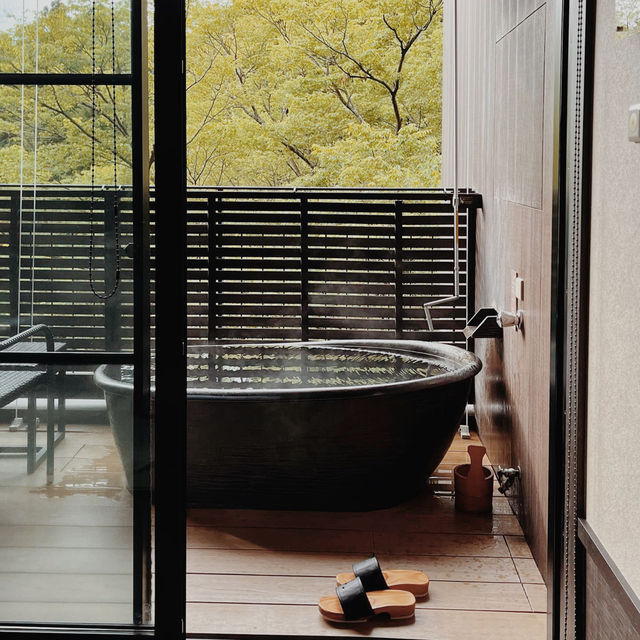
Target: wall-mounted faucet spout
(483, 324)
(489, 323)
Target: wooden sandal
(353, 604)
(374, 579)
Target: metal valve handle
(509, 319)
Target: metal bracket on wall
(471, 200)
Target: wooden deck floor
(65, 556)
(66, 549)
(263, 571)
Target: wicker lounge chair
(19, 380)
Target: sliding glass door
(75, 452)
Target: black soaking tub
(336, 425)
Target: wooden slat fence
(263, 264)
(51, 284)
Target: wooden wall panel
(611, 607)
(505, 122)
(606, 618)
(519, 94)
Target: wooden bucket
(473, 483)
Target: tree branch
(298, 153)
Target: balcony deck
(262, 265)
(66, 549)
(65, 555)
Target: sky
(11, 11)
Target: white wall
(613, 441)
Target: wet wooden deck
(263, 571)
(65, 556)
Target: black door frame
(572, 180)
(581, 542)
(170, 404)
(171, 116)
(571, 536)
(171, 316)
(556, 371)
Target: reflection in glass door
(75, 511)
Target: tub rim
(467, 365)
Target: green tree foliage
(280, 92)
(60, 129)
(628, 16)
(315, 92)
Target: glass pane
(54, 36)
(66, 511)
(71, 240)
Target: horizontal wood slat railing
(263, 264)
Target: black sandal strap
(371, 575)
(354, 601)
